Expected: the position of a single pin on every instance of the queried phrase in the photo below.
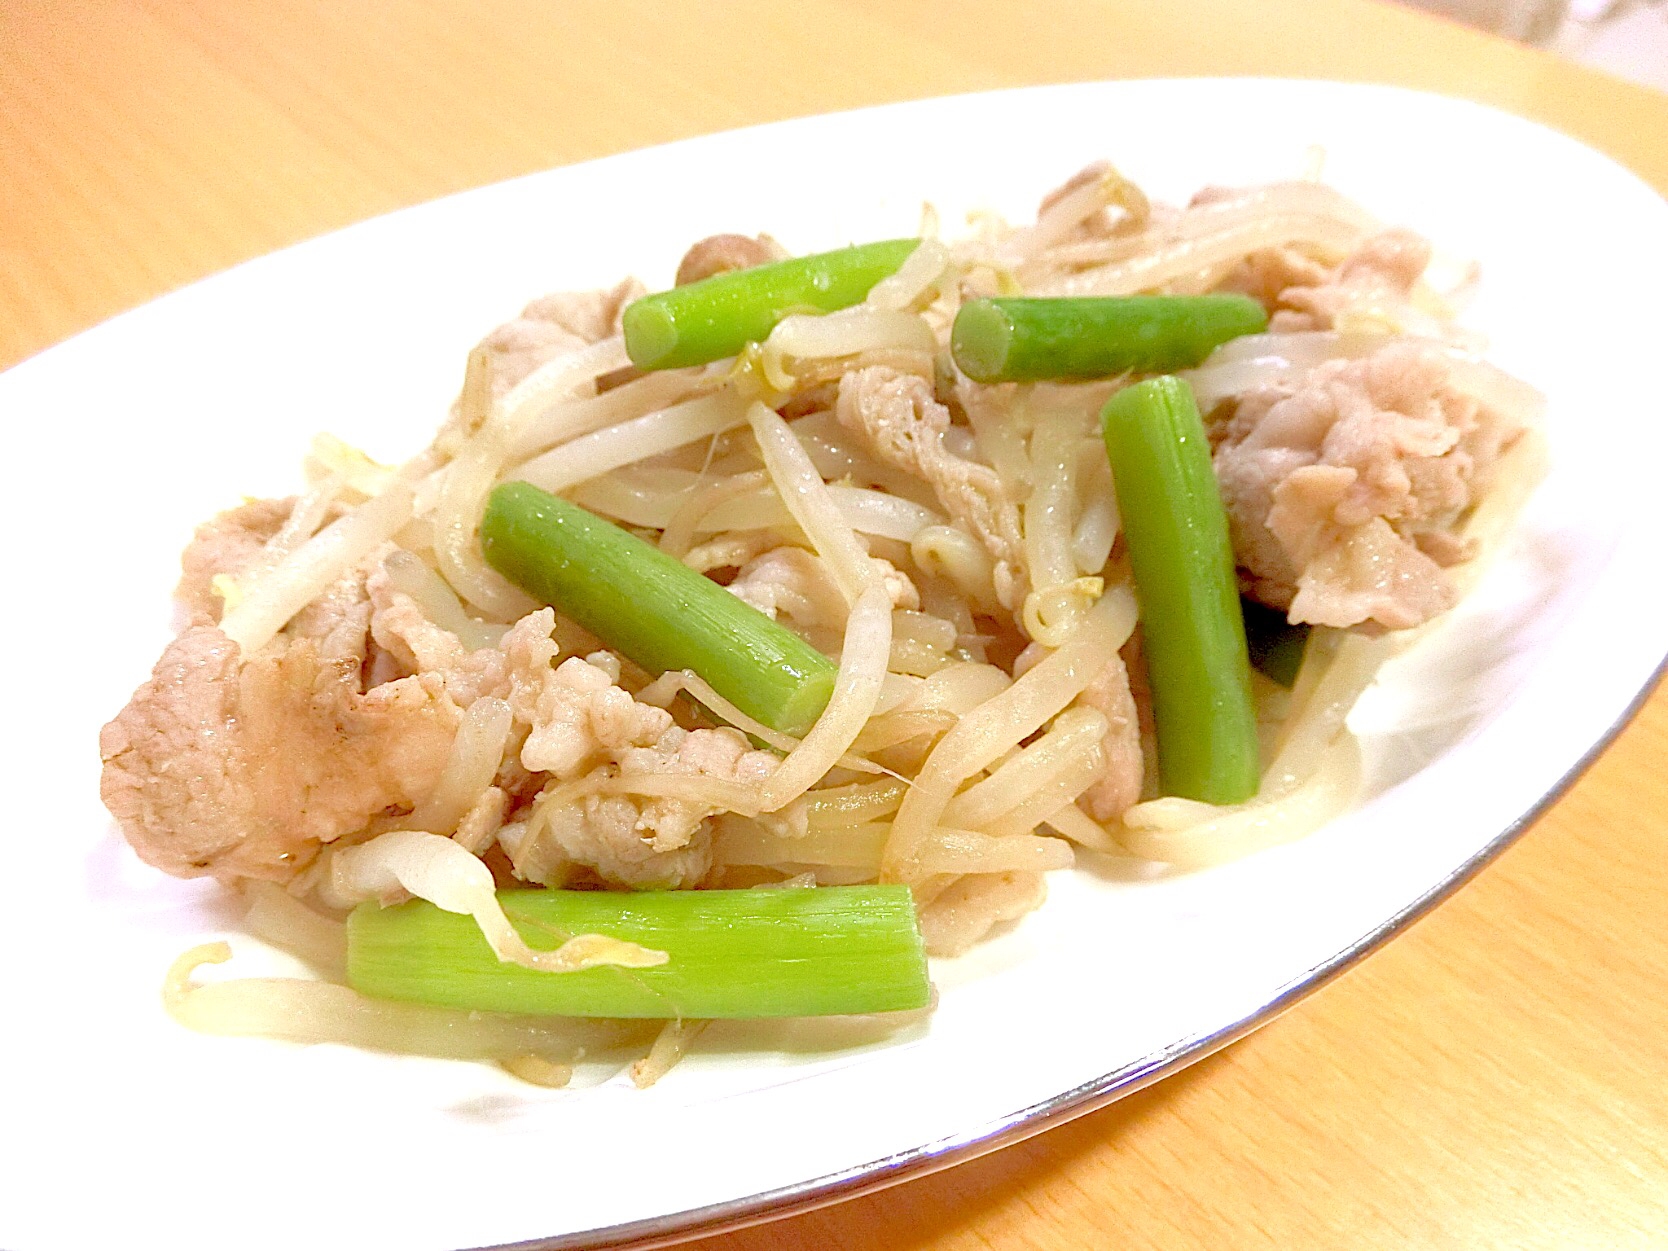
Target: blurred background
(1628, 38)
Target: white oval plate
(122, 1129)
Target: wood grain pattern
(1492, 1079)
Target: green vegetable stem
(1192, 632)
(732, 953)
(653, 609)
(1024, 339)
(718, 316)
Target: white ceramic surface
(118, 1128)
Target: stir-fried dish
(893, 577)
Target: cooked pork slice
(1119, 784)
(1342, 492)
(902, 424)
(244, 768)
(552, 326)
(573, 720)
(399, 625)
(569, 716)
(577, 715)
(226, 545)
(232, 768)
(720, 254)
(973, 905)
(1374, 282)
(1266, 275)
(589, 315)
(631, 840)
(790, 583)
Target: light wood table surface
(1492, 1079)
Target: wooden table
(1495, 1078)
